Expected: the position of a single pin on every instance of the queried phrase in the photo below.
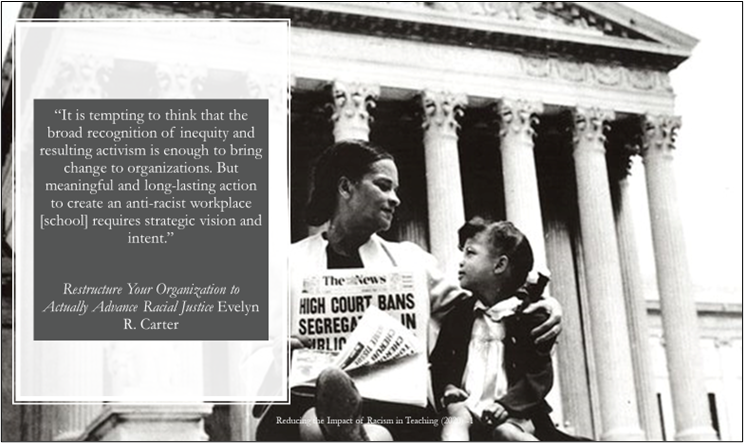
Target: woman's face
(373, 199)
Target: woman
(355, 189)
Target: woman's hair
(503, 239)
(351, 159)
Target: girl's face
(373, 199)
(476, 266)
(482, 271)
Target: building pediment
(604, 31)
(554, 16)
(580, 18)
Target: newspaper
(386, 361)
(332, 303)
(378, 338)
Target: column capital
(590, 124)
(353, 100)
(441, 111)
(517, 116)
(659, 133)
(81, 76)
(179, 80)
(351, 105)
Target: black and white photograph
(488, 221)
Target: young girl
(487, 372)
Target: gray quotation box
(180, 271)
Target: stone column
(587, 328)
(678, 313)
(78, 365)
(618, 407)
(520, 176)
(78, 374)
(67, 423)
(574, 382)
(351, 105)
(635, 305)
(443, 184)
(8, 191)
(520, 188)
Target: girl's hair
(503, 239)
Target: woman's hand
(551, 327)
(296, 343)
